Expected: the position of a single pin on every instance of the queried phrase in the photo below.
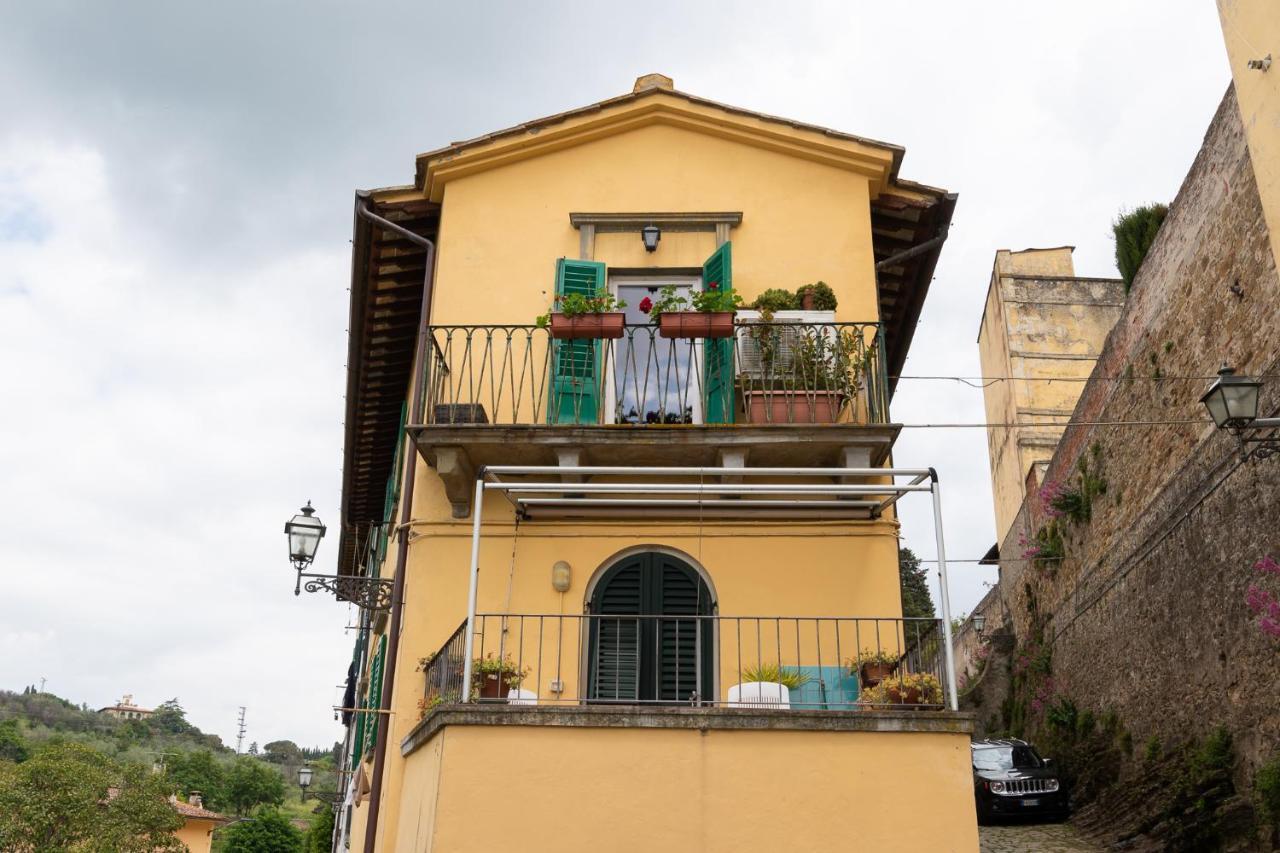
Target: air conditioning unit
(750, 360)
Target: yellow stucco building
(198, 824)
(1042, 329)
(633, 577)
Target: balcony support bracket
(453, 464)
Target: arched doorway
(651, 638)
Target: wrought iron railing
(444, 670)
(767, 373)
(784, 662)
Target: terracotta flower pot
(492, 687)
(608, 324)
(794, 407)
(807, 300)
(696, 324)
(872, 673)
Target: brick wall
(1147, 612)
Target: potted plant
(578, 316)
(492, 677)
(825, 372)
(816, 297)
(913, 689)
(789, 677)
(703, 314)
(873, 666)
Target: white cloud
(175, 191)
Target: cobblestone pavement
(1034, 838)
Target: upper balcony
(788, 393)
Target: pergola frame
(705, 499)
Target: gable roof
(655, 101)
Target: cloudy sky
(175, 208)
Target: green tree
(169, 717)
(282, 752)
(1135, 231)
(250, 784)
(320, 835)
(916, 600)
(199, 771)
(13, 746)
(69, 797)
(268, 832)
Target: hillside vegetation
(179, 756)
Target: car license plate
(1031, 802)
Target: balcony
(777, 663)
(784, 394)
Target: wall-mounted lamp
(651, 234)
(1232, 402)
(979, 623)
(561, 576)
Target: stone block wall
(1146, 613)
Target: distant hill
(45, 715)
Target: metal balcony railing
(767, 373)
(779, 662)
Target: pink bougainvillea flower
(1267, 565)
(1269, 626)
(646, 305)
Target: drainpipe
(894, 260)
(402, 532)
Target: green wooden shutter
(615, 671)
(679, 592)
(392, 496)
(375, 695)
(718, 352)
(575, 365)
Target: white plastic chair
(760, 694)
(516, 696)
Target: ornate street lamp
(979, 623)
(304, 782)
(1232, 402)
(305, 532)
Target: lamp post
(1232, 402)
(304, 783)
(305, 532)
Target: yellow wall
(502, 230)
(1251, 29)
(196, 834)
(1040, 323)
(574, 789)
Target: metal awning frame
(552, 489)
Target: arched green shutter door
(668, 656)
(718, 352)
(575, 365)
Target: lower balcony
(687, 733)
(684, 658)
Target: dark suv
(1010, 779)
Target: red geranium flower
(646, 305)
(715, 285)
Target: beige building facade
(1042, 329)
(629, 571)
